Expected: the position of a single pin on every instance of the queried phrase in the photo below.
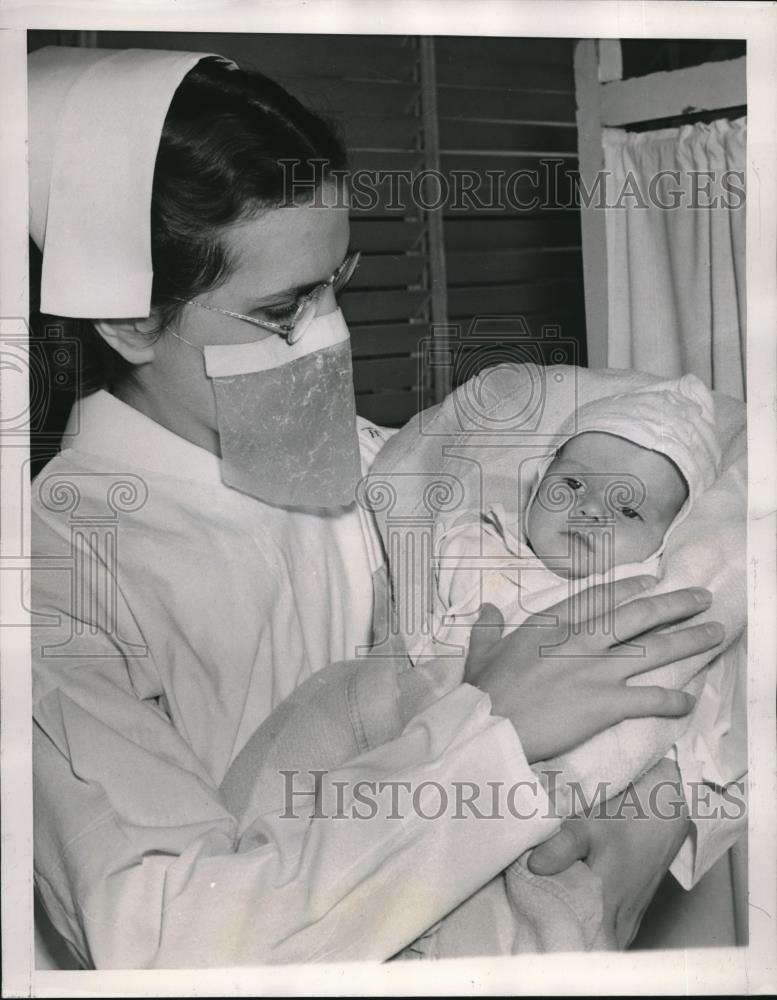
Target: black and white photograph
(389, 491)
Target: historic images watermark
(497, 419)
(551, 184)
(315, 794)
(47, 362)
(94, 507)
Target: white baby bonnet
(675, 418)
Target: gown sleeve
(140, 863)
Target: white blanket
(462, 453)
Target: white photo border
(748, 970)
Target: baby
(599, 504)
(603, 501)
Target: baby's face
(603, 501)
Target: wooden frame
(605, 100)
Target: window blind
(513, 248)
(503, 110)
(369, 87)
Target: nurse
(204, 580)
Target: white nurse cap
(95, 121)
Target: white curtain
(676, 304)
(676, 252)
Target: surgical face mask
(286, 416)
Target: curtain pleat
(676, 251)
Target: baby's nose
(591, 506)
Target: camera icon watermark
(501, 373)
(47, 366)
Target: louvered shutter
(507, 112)
(370, 87)
(499, 105)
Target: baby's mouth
(584, 538)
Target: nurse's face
(274, 259)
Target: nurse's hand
(560, 683)
(629, 845)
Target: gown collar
(101, 424)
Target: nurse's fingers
(640, 702)
(594, 602)
(486, 630)
(565, 847)
(663, 648)
(648, 613)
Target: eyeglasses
(304, 308)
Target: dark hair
(232, 143)
(229, 142)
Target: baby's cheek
(641, 542)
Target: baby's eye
(573, 484)
(630, 513)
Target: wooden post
(709, 87)
(87, 39)
(436, 235)
(610, 60)
(592, 218)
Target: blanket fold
(471, 443)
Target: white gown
(173, 616)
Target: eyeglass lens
(310, 307)
(346, 271)
(304, 319)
